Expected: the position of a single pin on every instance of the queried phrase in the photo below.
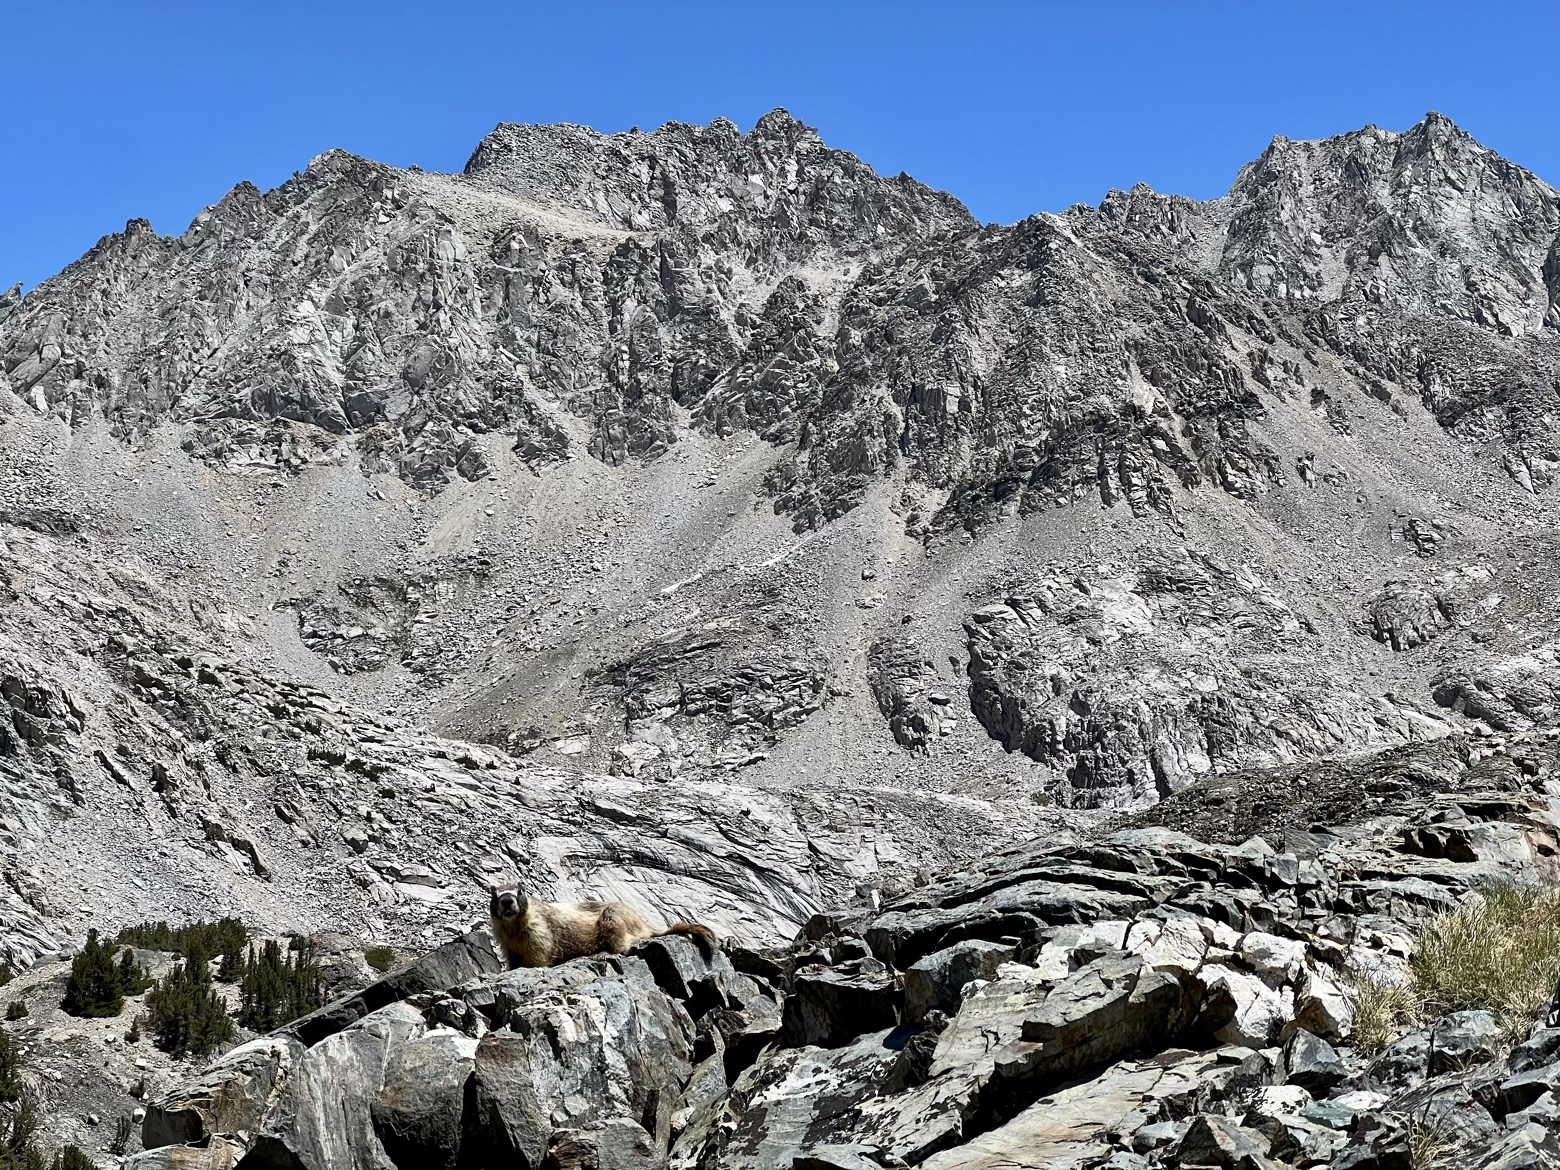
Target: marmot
(533, 933)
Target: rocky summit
(1065, 662)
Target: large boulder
(1313, 1064)
(1463, 1039)
(935, 981)
(1322, 1007)
(232, 1097)
(1175, 944)
(1218, 1141)
(418, 1111)
(743, 1009)
(1242, 1008)
(573, 1048)
(771, 1120)
(1075, 1127)
(616, 1144)
(325, 1118)
(1116, 1006)
(834, 1005)
(1521, 1090)
(455, 962)
(216, 1154)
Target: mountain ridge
(696, 458)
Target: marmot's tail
(705, 936)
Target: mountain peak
(1436, 122)
(780, 169)
(779, 122)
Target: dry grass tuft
(1380, 1009)
(1429, 1139)
(1499, 953)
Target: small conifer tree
(94, 989)
(184, 1012)
(17, 1151)
(133, 979)
(225, 939)
(276, 988)
(73, 1157)
(10, 1070)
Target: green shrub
(379, 958)
(225, 938)
(277, 989)
(184, 1012)
(16, 1010)
(133, 1036)
(73, 1158)
(97, 984)
(6, 974)
(17, 1151)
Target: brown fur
(533, 933)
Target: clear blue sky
(155, 108)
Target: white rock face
(1280, 958)
(1260, 1010)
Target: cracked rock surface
(1140, 998)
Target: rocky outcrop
(1141, 999)
(231, 1098)
(10, 301)
(905, 684)
(698, 693)
(1129, 681)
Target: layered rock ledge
(1140, 999)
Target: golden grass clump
(1429, 1139)
(1379, 1010)
(1499, 952)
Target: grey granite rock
(1311, 1063)
(934, 982)
(829, 1006)
(419, 1109)
(231, 1098)
(1462, 1039)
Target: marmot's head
(507, 904)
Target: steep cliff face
(701, 517)
(607, 280)
(1426, 224)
